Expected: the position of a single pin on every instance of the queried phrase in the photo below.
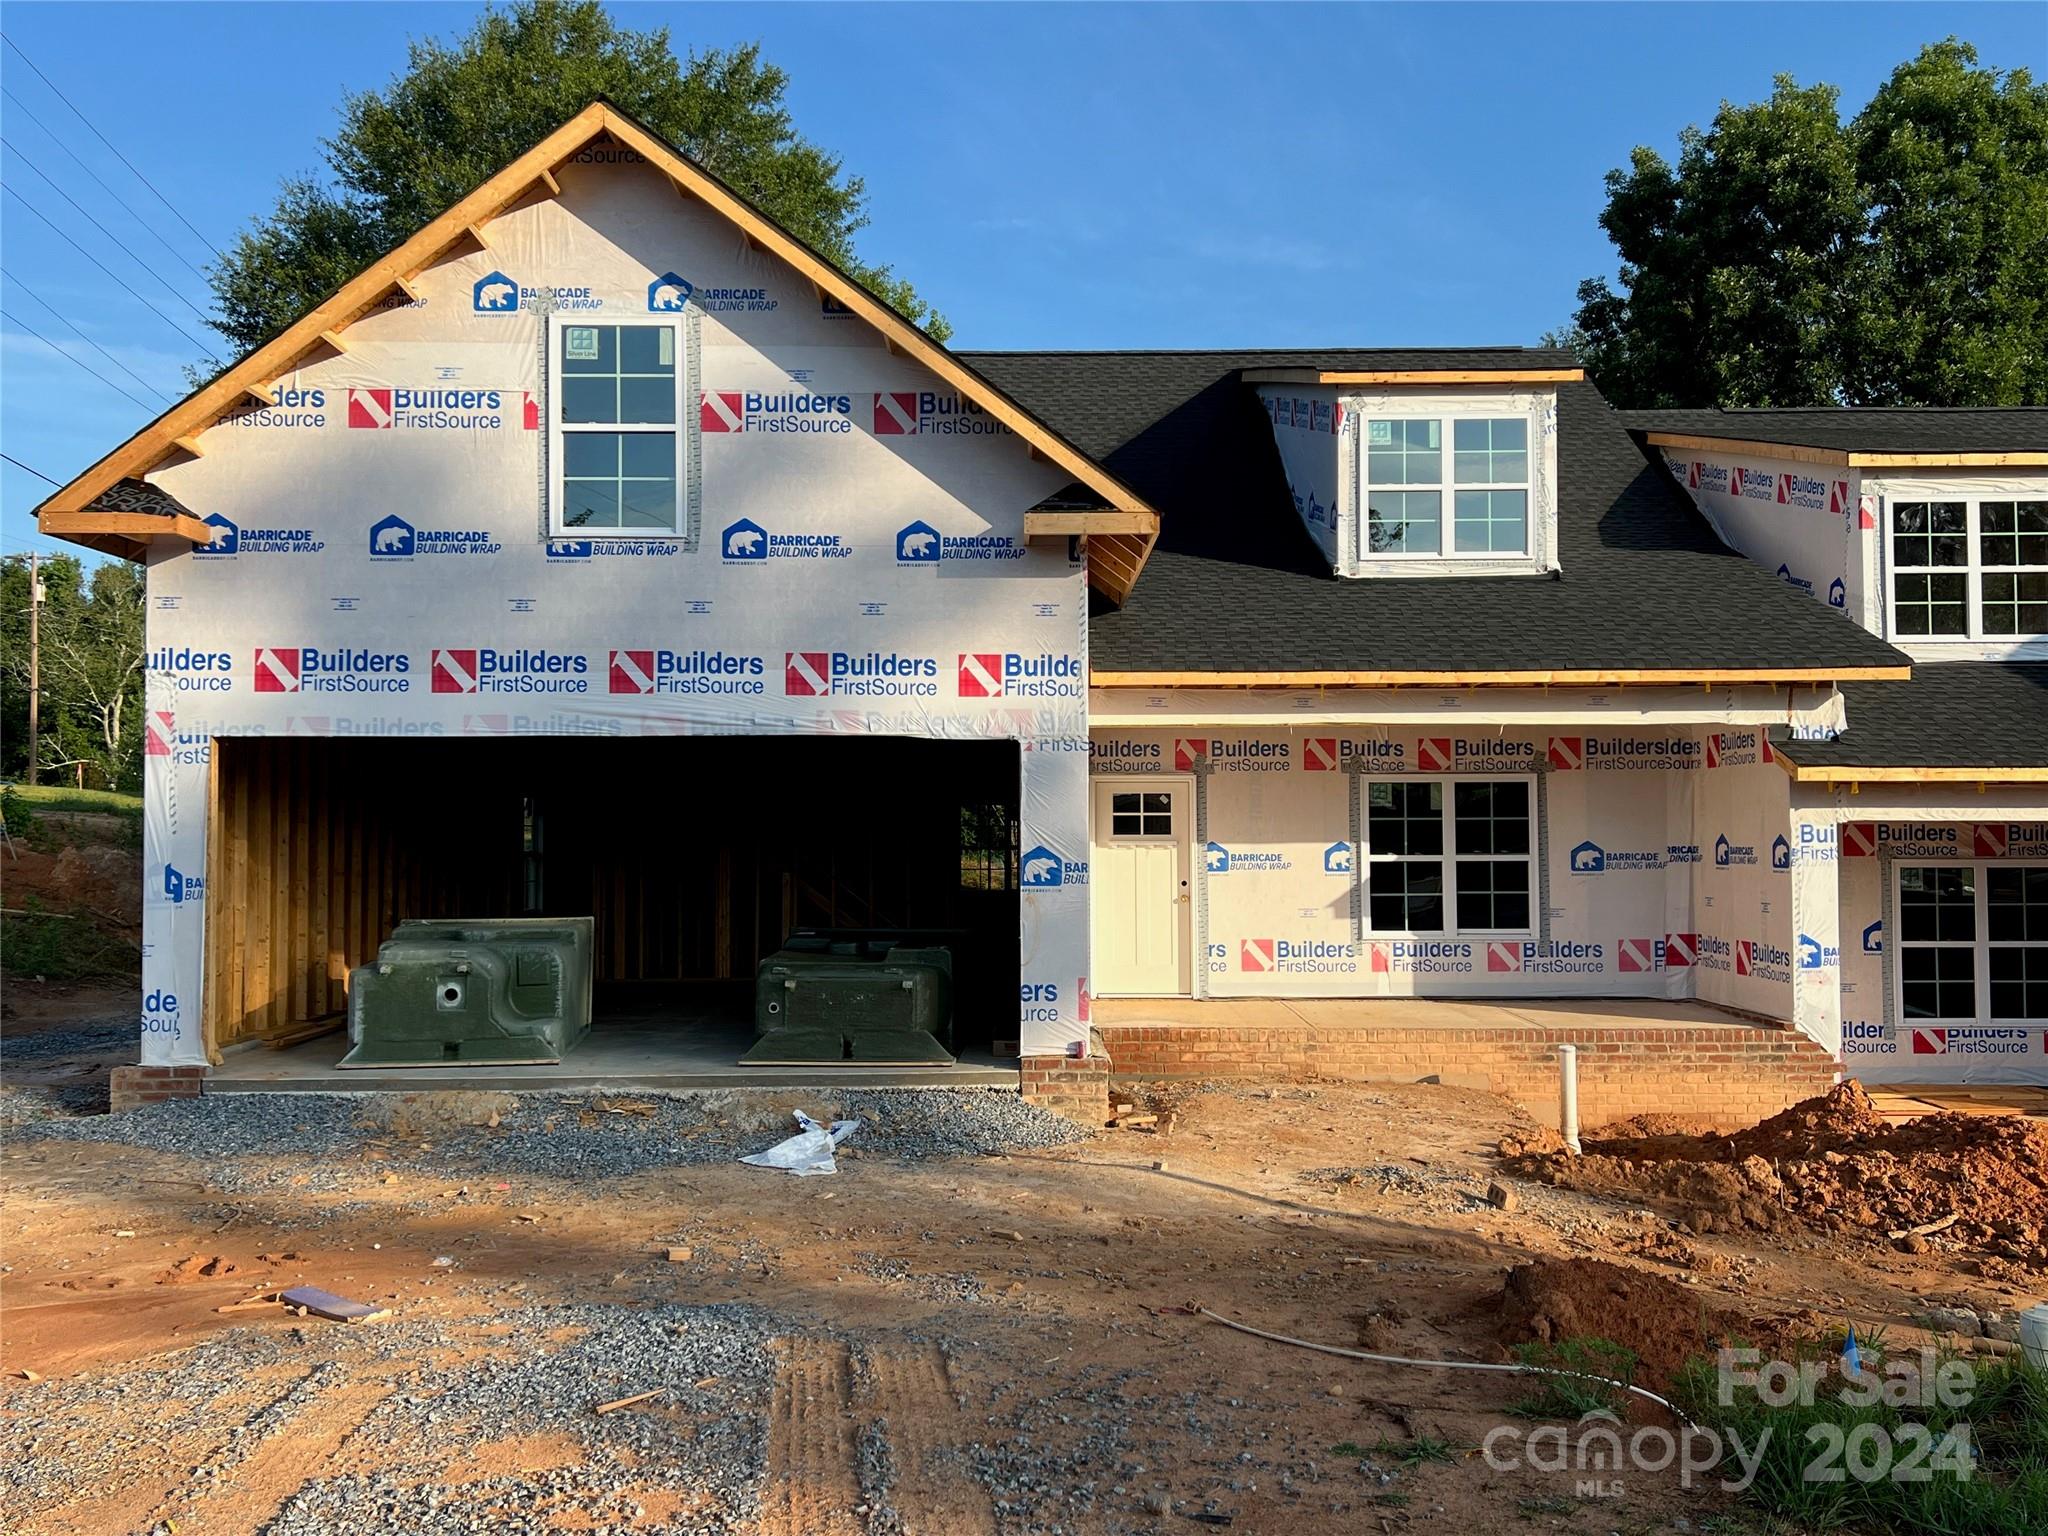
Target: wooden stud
(475, 232)
(189, 443)
(262, 394)
(335, 340)
(547, 179)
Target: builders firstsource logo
(913, 413)
(656, 670)
(230, 541)
(1803, 491)
(1017, 675)
(162, 738)
(482, 669)
(1977, 1040)
(1756, 484)
(1295, 957)
(1402, 957)
(436, 410)
(1558, 958)
(870, 674)
(191, 671)
(393, 538)
(1566, 754)
(788, 411)
(922, 544)
(329, 669)
(1713, 478)
(293, 408)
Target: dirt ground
(997, 1343)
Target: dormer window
(1476, 467)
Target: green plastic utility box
(461, 992)
(860, 997)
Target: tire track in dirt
(911, 1391)
(297, 1448)
(812, 1484)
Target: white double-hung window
(1970, 568)
(1449, 855)
(1447, 486)
(616, 427)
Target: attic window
(616, 439)
(1415, 464)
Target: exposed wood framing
(546, 177)
(1845, 774)
(1841, 458)
(463, 222)
(1567, 678)
(336, 341)
(126, 534)
(1050, 525)
(189, 444)
(1414, 376)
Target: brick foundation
(128, 1087)
(1074, 1086)
(1726, 1075)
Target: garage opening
(695, 856)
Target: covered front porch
(1636, 1055)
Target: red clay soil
(1831, 1164)
(1658, 1320)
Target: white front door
(1138, 886)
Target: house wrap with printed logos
(604, 550)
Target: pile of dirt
(1659, 1321)
(1829, 1164)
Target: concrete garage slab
(649, 1052)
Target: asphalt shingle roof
(1951, 714)
(1237, 585)
(1862, 429)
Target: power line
(79, 332)
(31, 63)
(71, 357)
(126, 207)
(88, 255)
(155, 275)
(36, 472)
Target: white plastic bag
(808, 1152)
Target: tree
(458, 115)
(1792, 259)
(92, 646)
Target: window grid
(1973, 943)
(616, 421)
(1474, 877)
(1481, 464)
(1969, 568)
(1140, 813)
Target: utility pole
(35, 660)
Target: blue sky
(1050, 176)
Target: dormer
(1421, 472)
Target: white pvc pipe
(1568, 1095)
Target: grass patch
(60, 797)
(1998, 1485)
(1414, 1453)
(1573, 1397)
(1393, 1500)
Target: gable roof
(1237, 590)
(1872, 437)
(1951, 720)
(1114, 559)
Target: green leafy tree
(92, 646)
(1789, 258)
(459, 114)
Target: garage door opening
(696, 857)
